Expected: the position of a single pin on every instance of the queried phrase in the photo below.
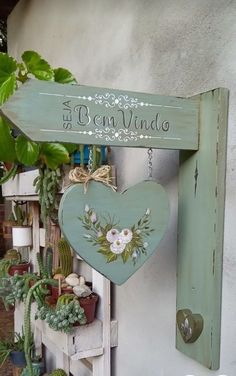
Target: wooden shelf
(21, 187)
(83, 342)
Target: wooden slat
(47, 111)
(200, 228)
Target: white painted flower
(148, 211)
(112, 235)
(145, 245)
(86, 209)
(93, 217)
(127, 235)
(117, 246)
(87, 236)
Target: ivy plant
(20, 150)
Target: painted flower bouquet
(114, 241)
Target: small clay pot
(89, 305)
(64, 290)
(19, 269)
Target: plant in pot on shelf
(21, 231)
(12, 263)
(13, 348)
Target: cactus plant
(12, 254)
(68, 311)
(45, 267)
(37, 292)
(66, 261)
(58, 372)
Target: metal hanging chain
(150, 167)
(90, 160)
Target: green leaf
(70, 147)
(53, 155)
(37, 66)
(7, 143)
(27, 151)
(63, 76)
(8, 68)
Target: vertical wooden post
(101, 285)
(34, 206)
(201, 228)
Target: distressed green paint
(125, 210)
(200, 228)
(48, 111)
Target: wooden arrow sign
(48, 111)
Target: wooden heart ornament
(189, 324)
(115, 233)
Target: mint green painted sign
(47, 111)
(115, 233)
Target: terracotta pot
(64, 290)
(19, 268)
(89, 305)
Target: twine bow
(102, 174)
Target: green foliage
(37, 292)
(67, 313)
(20, 285)
(19, 215)
(47, 184)
(21, 150)
(54, 155)
(37, 66)
(7, 143)
(45, 267)
(8, 67)
(26, 151)
(63, 76)
(15, 342)
(66, 261)
(58, 372)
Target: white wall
(168, 47)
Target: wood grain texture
(48, 111)
(201, 228)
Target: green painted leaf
(37, 66)
(27, 151)
(54, 155)
(63, 76)
(112, 257)
(125, 256)
(7, 142)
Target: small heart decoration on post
(189, 324)
(115, 233)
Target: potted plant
(21, 232)
(12, 263)
(13, 348)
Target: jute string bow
(102, 174)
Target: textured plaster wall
(168, 47)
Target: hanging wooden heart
(113, 232)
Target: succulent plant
(45, 265)
(58, 372)
(67, 312)
(66, 260)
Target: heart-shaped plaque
(190, 325)
(113, 232)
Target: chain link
(90, 161)
(150, 168)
